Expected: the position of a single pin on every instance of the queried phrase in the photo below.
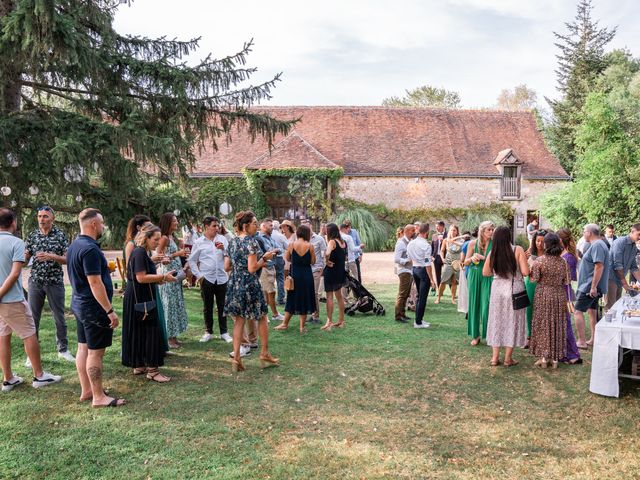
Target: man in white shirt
(352, 253)
(419, 251)
(319, 247)
(207, 265)
(404, 269)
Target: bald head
(409, 230)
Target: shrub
(373, 232)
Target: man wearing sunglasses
(47, 245)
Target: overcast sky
(357, 52)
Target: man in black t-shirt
(91, 303)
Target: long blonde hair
(450, 234)
(484, 226)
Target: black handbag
(521, 299)
(144, 310)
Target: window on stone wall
(510, 183)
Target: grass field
(375, 400)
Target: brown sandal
(512, 363)
(153, 376)
(495, 363)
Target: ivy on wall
(308, 186)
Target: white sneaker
(244, 352)
(421, 325)
(11, 384)
(226, 337)
(206, 337)
(278, 318)
(67, 356)
(27, 363)
(45, 380)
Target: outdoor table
(612, 339)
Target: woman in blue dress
(244, 299)
(302, 299)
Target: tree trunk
(10, 101)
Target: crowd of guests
(514, 297)
(240, 274)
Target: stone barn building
(407, 157)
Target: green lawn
(375, 400)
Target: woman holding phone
(142, 335)
(244, 299)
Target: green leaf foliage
(607, 170)
(373, 232)
(87, 111)
(581, 60)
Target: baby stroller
(365, 301)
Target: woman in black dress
(142, 340)
(334, 274)
(302, 299)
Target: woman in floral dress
(244, 299)
(549, 326)
(506, 327)
(171, 294)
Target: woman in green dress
(478, 285)
(536, 249)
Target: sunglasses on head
(45, 208)
(542, 232)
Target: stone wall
(443, 192)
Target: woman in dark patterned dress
(244, 299)
(549, 326)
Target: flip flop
(106, 392)
(116, 402)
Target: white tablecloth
(611, 338)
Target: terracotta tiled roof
(292, 152)
(392, 141)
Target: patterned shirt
(49, 272)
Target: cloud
(361, 51)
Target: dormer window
(510, 168)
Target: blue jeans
(423, 283)
(279, 263)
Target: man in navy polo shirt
(91, 303)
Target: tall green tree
(425, 96)
(607, 169)
(581, 59)
(87, 114)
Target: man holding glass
(47, 245)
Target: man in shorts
(15, 315)
(593, 279)
(268, 274)
(91, 303)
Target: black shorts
(584, 302)
(93, 328)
